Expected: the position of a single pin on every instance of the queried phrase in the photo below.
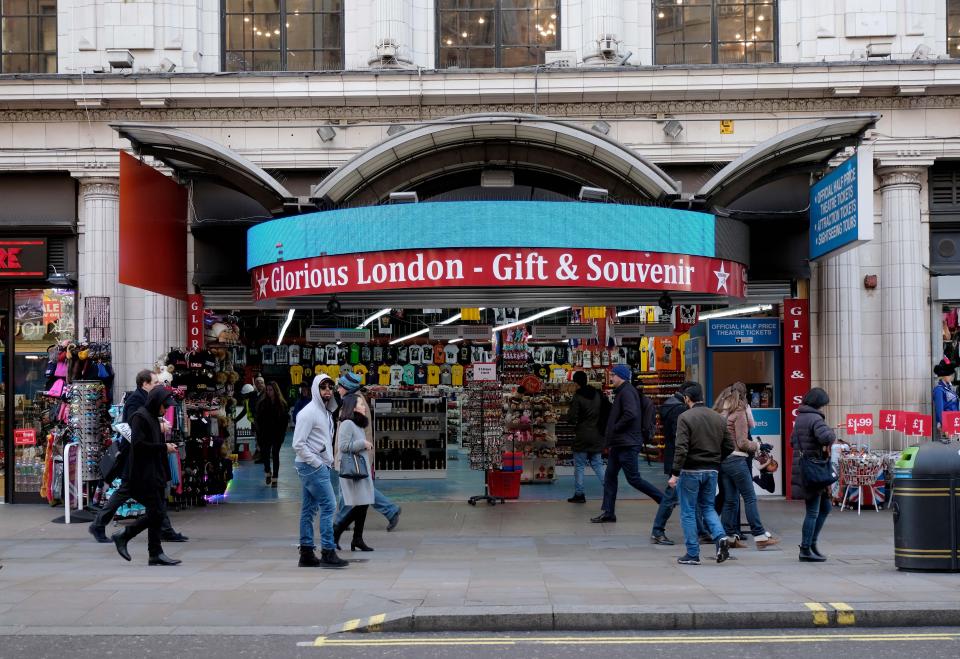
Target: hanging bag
(818, 471)
(353, 466)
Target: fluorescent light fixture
(286, 324)
(629, 312)
(451, 319)
(530, 319)
(382, 312)
(454, 340)
(738, 311)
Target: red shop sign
(918, 425)
(194, 322)
(24, 437)
(951, 423)
(892, 420)
(859, 424)
(796, 366)
(498, 268)
(23, 258)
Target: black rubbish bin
(926, 509)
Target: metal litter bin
(926, 508)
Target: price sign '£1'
(918, 425)
(951, 423)
(892, 420)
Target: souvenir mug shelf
(410, 435)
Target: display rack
(89, 421)
(411, 437)
(484, 414)
(658, 387)
(532, 428)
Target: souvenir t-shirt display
(331, 353)
(362, 371)
(343, 354)
(294, 354)
(439, 355)
(402, 354)
(383, 376)
(378, 354)
(268, 354)
(457, 375)
(333, 370)
(409, 374)
(365, 354)
(452, 352)
(396, 375)
(464, 355)
(416, 355)
(420, 377)
(320, 368)
(433, 374)
(446, 374)
(354, 353)
(296, 374)
(282, 355)
(306, 355)
(392, 354)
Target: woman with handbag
(273, 418)
(353, 457)
(812, 473)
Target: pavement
(530, 566)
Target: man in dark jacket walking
(584, 413)
(146, 381)
(670, 412)
(624, 440)
(703, 441)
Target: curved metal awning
(193, 156)
(363, 170)
(808, 145)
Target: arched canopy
(467, 141)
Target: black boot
(807, 556)
(308, 558)
(357, 542)
(120, 539)
(98, 533)
(163, 559)
(338, 530)
(329, 558)
(816, 552)
(577, 498)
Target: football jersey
(362, 371)
(446, 374)
(420, 376)
(439, 355)
(396, 375)
(354, 353)
(409, 374)
(433, 374)
(383, 376)
(457, 375)
(296, 374)
(451, 354)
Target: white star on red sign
(722, 277)
(262, 282)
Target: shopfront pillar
(839, 353)
(601, 19)
(393, 29)
(906, 350)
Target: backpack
(605, 407)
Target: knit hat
(623, 372)
(349, 381)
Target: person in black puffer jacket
(584, 413)
(811, 437)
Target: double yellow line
(821, 614)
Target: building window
(283, 35)
(28, 36)
(483, 34)
(953, 28)
(714, 31)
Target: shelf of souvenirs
(400, 458)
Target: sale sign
(859, 424)
(194, 323)
(918, 425)
(24, 437)
(893, 420)
(951, 423)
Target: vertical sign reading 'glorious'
(796, 365)
(194, 322)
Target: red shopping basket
(504, 484)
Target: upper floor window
(282, 35)
(482, 34)
(953, 28)
(28, 36)
(714, 31)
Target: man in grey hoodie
(313, 443)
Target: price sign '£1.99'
(859, 424)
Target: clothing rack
(486, 433)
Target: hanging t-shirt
(451, 354)
(682, 350)
(383, 376)
(644, 354)
(652, 358)
(378, 354)
(294, 354)
(420, 376)
(343, 354)
(362, 371)
(354, 353)
(306, 355)
(296, 374)
(391, 355)
(457, 375)
(433, 374)
(416, 355)
(396, 375)
(439, 356)
(402, 353)
(319, 368)
(666, 354)
(268, 354)
(282, 356)
(333, 370)
(331, 353)
(446, 375)
(365, 354)
(464, 354)
(409, 374)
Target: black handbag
(112, 461)
(818, 473)
(353, 466)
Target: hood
(806, 409)
(673, 401)
(331, 405)
(155, 399)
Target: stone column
(393, 27)
(906, 354)
(99, 267)
(839, 355)
(601, 18)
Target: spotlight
(326, 133)
(601, 127)
(333, 304)
(593, 194)
(666, 304)
(403, 198)
(673, 128)
(396, 128)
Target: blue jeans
(625, 458)
(667, 504)
(317, 494)
(580, 461)
(381, 504)
(698, 490)
(737, 482)
(818, 507)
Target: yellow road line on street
(845, 614)
(820, 615)
(356, 641)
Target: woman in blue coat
(945, 398)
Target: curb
(807, 615)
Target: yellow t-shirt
(457, 375)
(644, 354)
(433, 374)
(383, 376)
(296, 374)
(682, 347)
(320, 368)
(362, 371)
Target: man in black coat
(146, 381)
(625, 437)
(670, 411)
(148, 471)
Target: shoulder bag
(353, 466)
(818, 471)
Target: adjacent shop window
(28, 36)
(479, 34)
(714, 31)
(953, 28)
(283, 35)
